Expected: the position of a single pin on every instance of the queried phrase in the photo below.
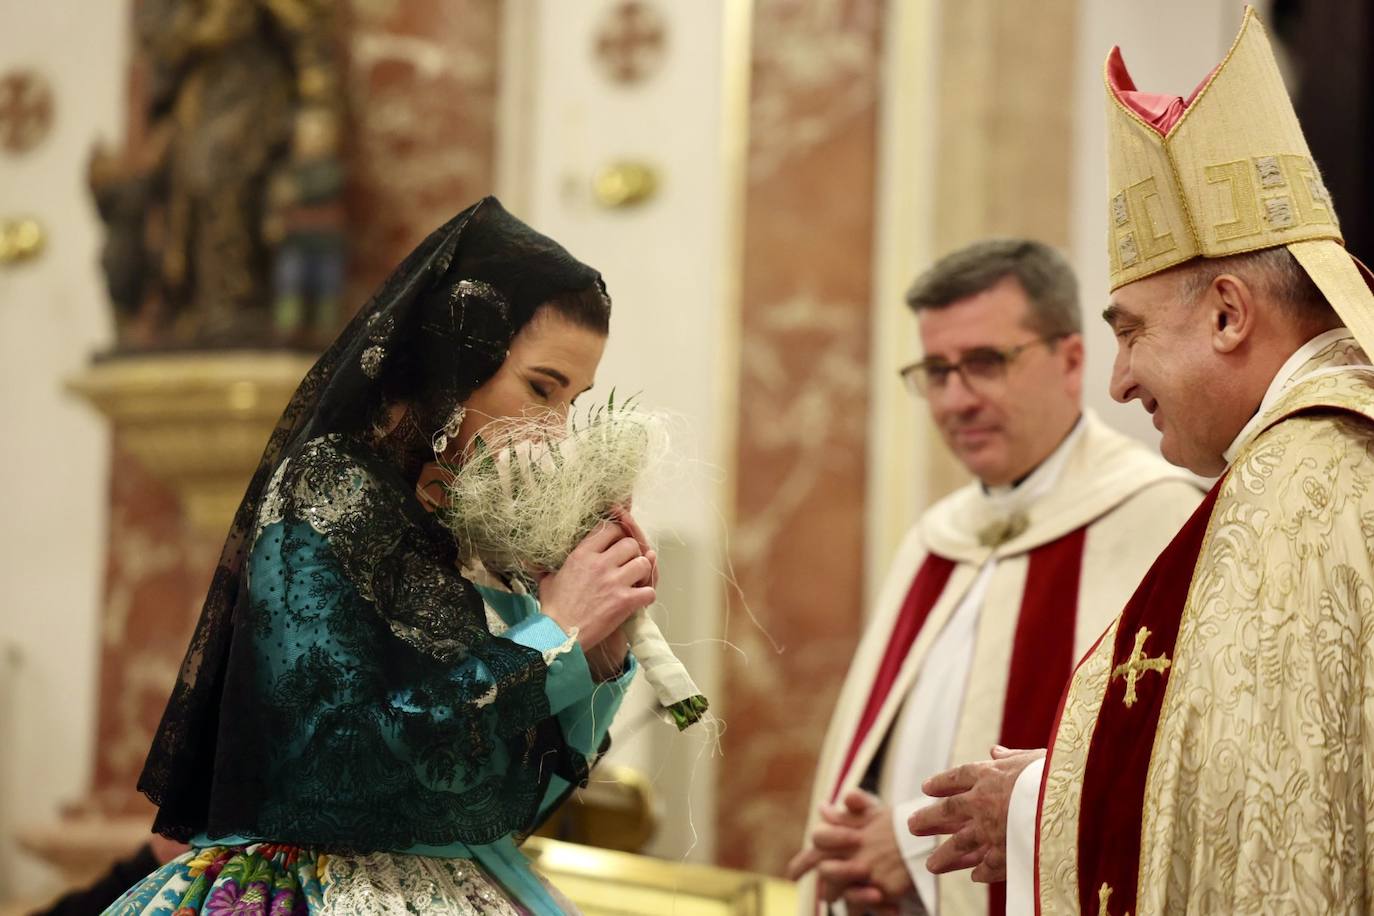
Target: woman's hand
(607, 660)
(603, 581)
(627, 522)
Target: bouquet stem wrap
(678, 696)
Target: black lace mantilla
(337, 701)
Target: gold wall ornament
(21, 239)
(197, 422)
(26, 110)
(602, 882)
(622, 185)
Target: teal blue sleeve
(585, 708)
(569, 682)
(586, 724)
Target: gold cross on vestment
(1103, 894)
(1137, 664)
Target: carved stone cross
(632, 41)
(26, 110)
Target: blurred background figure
(195, 194)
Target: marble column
(797, 546)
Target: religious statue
(305, 225)
(231, 177)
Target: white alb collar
(1040, 481)
(1281, 380)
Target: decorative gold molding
(602, 883)
(617, 810)
(737, 37)
(199, 421)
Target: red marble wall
(797, 547)
(422, 95)
(421, 85)
(157, 571)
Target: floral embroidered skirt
(265, 879)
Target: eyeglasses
(981, 369)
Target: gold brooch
(999, 532)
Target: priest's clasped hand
(972, 814)
(855, 854)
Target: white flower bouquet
(530, 489)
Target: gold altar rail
(606, 883)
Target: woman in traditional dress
(359, 726)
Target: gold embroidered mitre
(1231, 174)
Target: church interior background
(757, 179)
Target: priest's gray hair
(1042, 272)
(1273, 272)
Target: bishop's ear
(1231, 312)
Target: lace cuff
(569, 678)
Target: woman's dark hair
(589, 308)
(405, 378)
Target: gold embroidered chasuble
(1254, 782)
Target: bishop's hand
(972, 814)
